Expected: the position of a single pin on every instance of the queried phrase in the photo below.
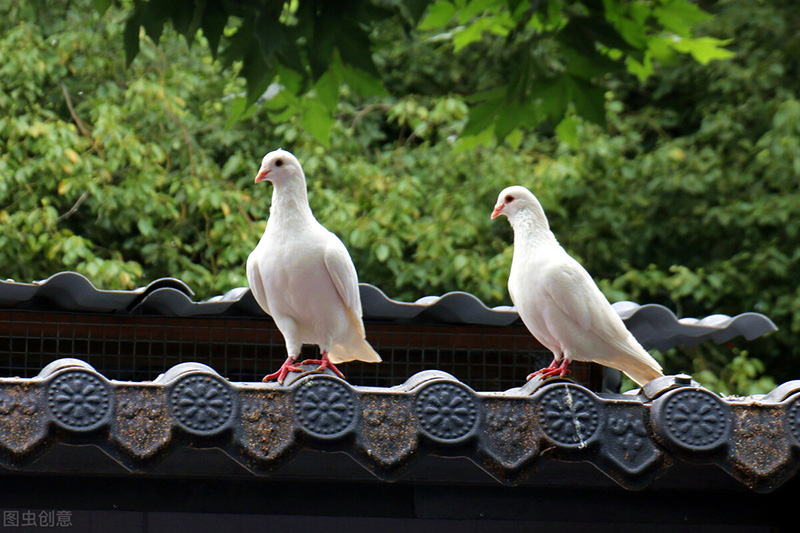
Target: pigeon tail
(358, 349)
(642, 372)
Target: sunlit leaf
(567, 131)
(704, 49)
(316, 119)
(439, 14)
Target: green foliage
(308, 48)
(740, 375)
(555, 56)
(540, 48)
(106, 171)
(689, 197)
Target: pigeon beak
(262, 175)
(497, 209)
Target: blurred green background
(685, 191)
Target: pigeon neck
(531, 228)
(290, 201)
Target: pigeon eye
(509, 199)
(279, 163)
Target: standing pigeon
(301, 274)
(559, 302)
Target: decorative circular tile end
(693, 419)
(447, 411)
(202, 404)
(325, 406)
(79, 400)
(794, 418)
(569, 415)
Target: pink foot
(283, 371)
(323, 364)
(555, 369)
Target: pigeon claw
(555, 369)
(324, 363)
(283, 371)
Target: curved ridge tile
(247, 305)
(457, 306)
(172, 302)
(13, 293)
(165, 301)
(161, 283)
(377, 305)
(232, 296)
(463, 307)
(74, 292)
(655, 326)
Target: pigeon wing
(256, 282)
(573, 291)
(345, 278)
(569, 288)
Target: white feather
(557, 299)
(301, 274)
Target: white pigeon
(301, 274)
(559, 302)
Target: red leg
(323, 364)
(286, 367)
(553, 364)
(555, 369)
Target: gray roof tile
(632, 439)
(653, 325)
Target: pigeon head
(518, 203)
(279, 166)
(512, 200)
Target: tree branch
(78, 122)
(81, 126)
(74, 208)
(368, 109)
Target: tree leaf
(153, 16)
(439, 15)
(470, 142)
(589, 101)
(382, 252)
(237, 110)
(213, 22)
(316, 119)
(551, 96)
(257, 75)
(130, 37)
(704, 49)
(679, 16)
(508, 118)
(416, 8)
(514, 139)
(582, 34)
(567, 131)
(363, 82)
(355, 48)
(482, 116)
(102, 6)
(327, 88)
(589, 66)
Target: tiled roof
(633, 439)
(654, 326)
